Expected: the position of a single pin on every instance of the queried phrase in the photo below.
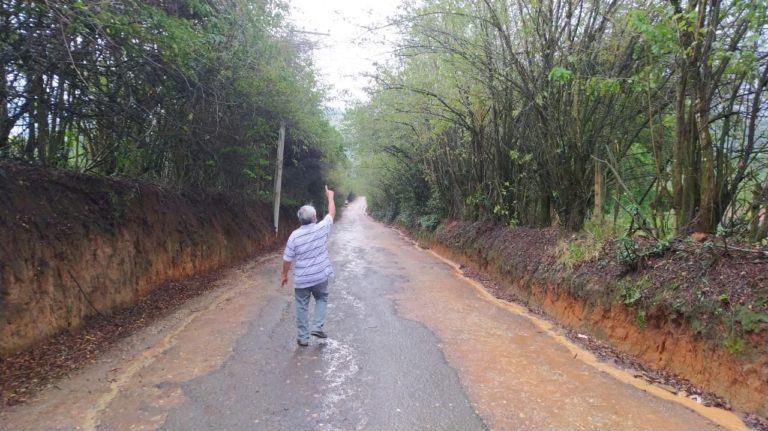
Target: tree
(185, 92)
(534, 113)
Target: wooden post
(597, 211)
(279, 173)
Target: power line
(311, 32)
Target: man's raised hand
(331, 204)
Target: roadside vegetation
(635, 129)
(647, 116)
(187, 93)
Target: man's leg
(320, 292)
(302, 311)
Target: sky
(349, 49)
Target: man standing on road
(308, 248)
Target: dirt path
(413, 345)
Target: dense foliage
(184, 92)
(558, 111)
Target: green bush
(661, 247)
(750, 320)
(429, 221)
(641, 319)
(627, 252)
(734, 344)
(631, 293)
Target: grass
(734, 344)
(584, 246)
(641, 319)
(632, 290)
(750, 320)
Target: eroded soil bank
(675, 314)
(74, 245)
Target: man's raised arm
(331, 203)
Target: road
(412, 345)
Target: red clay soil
(86, 260)
(697, 313)
(25, 373)
(71, 244)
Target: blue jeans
(320, 292)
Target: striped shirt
(308, 246)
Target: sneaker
(302, 343)
(319, 334)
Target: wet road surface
(412, 345)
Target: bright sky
(351, 49)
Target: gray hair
(307, 214)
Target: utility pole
(279, 173)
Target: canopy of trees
(557, 111)
(188, 93)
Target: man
(308, 248)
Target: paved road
(413, 345)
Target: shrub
(429, 221)
(750, 320)
(627, 252)
(734, 344)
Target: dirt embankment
(73, 244)
(702, 318)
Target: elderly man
(308, 248)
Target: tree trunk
(762, 231)
(705, 219)
(616, 200)
(575, 213)
(4, 129)
(597, 211)
(41, 119)
(754, 211)
(544, 217)
(692, 150)
(680, 150)
(279, 172)
(56, 151)
(760, 207)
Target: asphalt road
(412, 345)
(375, 371)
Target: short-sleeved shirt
(308, 247)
